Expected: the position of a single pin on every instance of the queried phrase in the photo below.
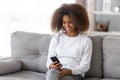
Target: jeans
(53, 74)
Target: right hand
(55, 65)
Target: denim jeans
(53, 74)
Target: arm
(85, 59)
(51, 51)
(9, 65)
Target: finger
(59, 67)
(58, 64)
(53, 66)
(61, 72)
(56, 68)
(61, 75)
(54, 63)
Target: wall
(25, 15)
(114, 24)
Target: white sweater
(73, 52)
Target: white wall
(25, 15)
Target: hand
(55, 65)
(64, 72)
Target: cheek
(72, 26)
(63, 25)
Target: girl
(70, 45)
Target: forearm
(81, 69)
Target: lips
(68, 28)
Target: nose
(67, 24)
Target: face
(67, 24)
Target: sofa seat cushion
(111, 57)
(23, 75)
(92, 79)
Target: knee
(52, 74)
(66, 78)
(52, 71)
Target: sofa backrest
(111, 57)
(31, 49)
(96, 62)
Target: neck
(71, 34)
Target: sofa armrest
(9, 66)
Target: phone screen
(54, 59)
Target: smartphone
(54, 58)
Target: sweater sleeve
(51, 50)
(85, 59)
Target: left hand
(64, 72)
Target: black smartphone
(54, 58)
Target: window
(25, 15)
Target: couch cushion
(92, 78)
(24, 75)
(111, 53)
(9, 66)
(96, 63)
(31, 49)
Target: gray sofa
(29, 54)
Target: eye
(70, 22)
(63, 22)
